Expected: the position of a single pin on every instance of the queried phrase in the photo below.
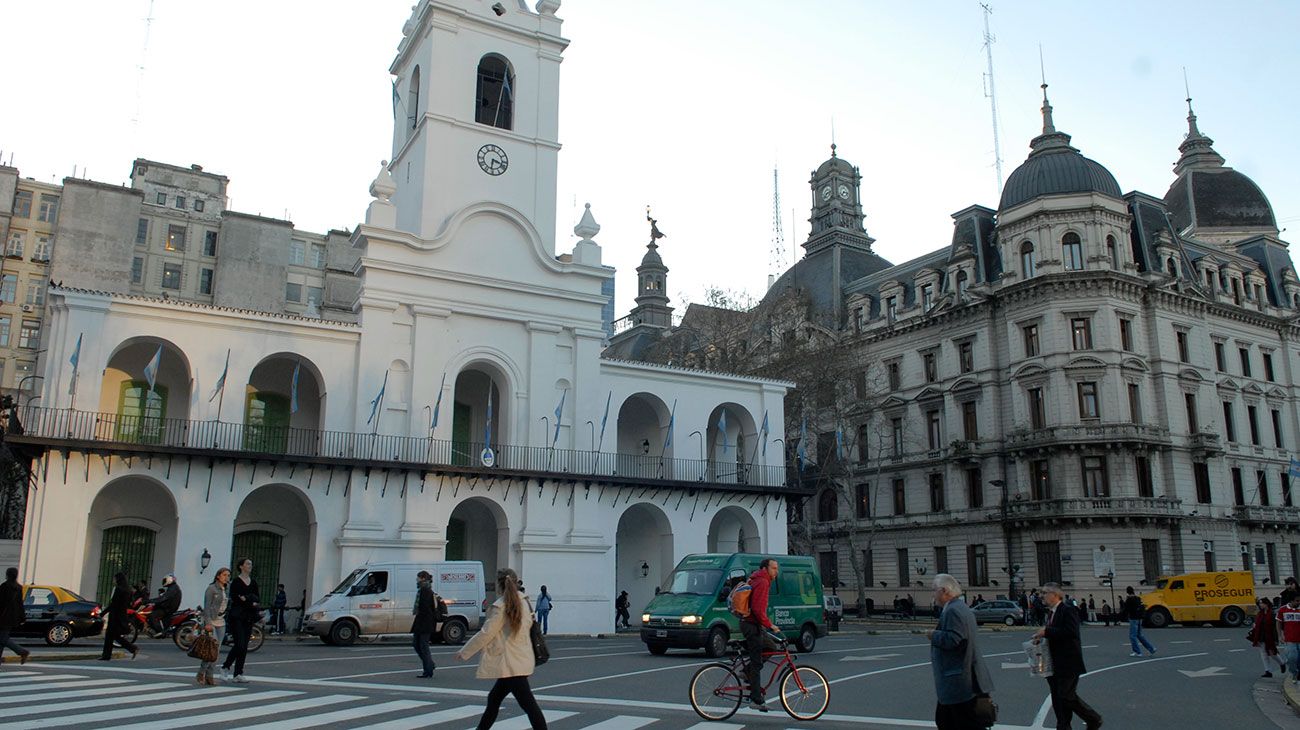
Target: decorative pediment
(1275, 393)
(1252, 389)
(1085, 363)
(1134, 363)
(965, 385)
(1228, 385)
(929, 394)
(1190, 374)
(1029, 371)
(893, 402)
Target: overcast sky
(686, 105)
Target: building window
(1269, 375)
(49, 209)
(1193, 423)
(42, 252)
(1031, 340)
(137, 270)
(936, 492)
(1088, 405)
(931, 362)
(209, 243)
(1229, 424)
(896, 432)
(495, 94)
(827, 507)
(1238, 487)
(1134, 403)
(180, 202)
(1252, 420)
(1244, 353)
(940, 559)
(36, 291)
(969, 421)
(1146, 487)
(862, 501)
(1126, 334)
(1072, 252)
(1285, 478)
(932, 429)
(977, 565)
(30, 334)
(16, 244)
(1261, 484)
(1112, 252)
(963, 283)
(895, 375)
(864, 443)
(891, 308)
(927, 297)
(1209, 557)
(1171, 267)
(1040, 480)
(1027, 267)
(1202, 472)
(23, 204)
(205, 281)
(293, 292)
(175, 238)
(1096, 482)
(1220, 358)
(142, 231)
(830, 569)
(1277, 427)
(904, 569)
(900, 497)
(198, 205)
(171, 278)
(1183, 354)
(8, 288)
(1081, 333)
(297, 253)
(1037, 410)
(1048, 553)
(1151, 560)
(314, 294)
(413, 99)
(161, 199)
(966, 356)
(318, 253)
(974, 488)
(4, 331)
(1245, 556)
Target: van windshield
(694, 582)
(1160, 584)
(348, 581)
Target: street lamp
(593, 435)
(204, 561)
(1006, 535)
(697, 433)
(645, 569)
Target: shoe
(1095, 727)
(105, 658)
(240, 679)
(1135, 654)
(23, 659)
(423, 676)
(1266, 674)
(1153, 652)
(199, 678)
(134, 653)
(759, 706)
(225, 674)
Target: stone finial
(409, 25)
(383, 186)
(382, 212)
(586, 251)
(587, 227)
(547, 7)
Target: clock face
(826, 193)
(844, 192)
(493, 159)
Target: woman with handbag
(1263, 635)
(214, 625)
(507, 652)
(244, 611)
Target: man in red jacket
(753, 625)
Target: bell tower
(836, 207)
(476, 112)
(651, 284)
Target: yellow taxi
(58, 615)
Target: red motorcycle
(138, 620)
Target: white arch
(734, 530)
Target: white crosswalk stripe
(521, 722)
(27, 688)
(136, 698)
(171, 706)
(622, 722)
(715, 726)
(341, 715)
(80, 689)
(433, 718)
(7, 680)
(250, 706)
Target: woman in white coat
(507, 652)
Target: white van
(378, 598)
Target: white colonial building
(463, 412)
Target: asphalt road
(1199, 678)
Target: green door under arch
(264, 549)
(140, 412)
(266, 423)
(127, 548)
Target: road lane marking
(1047, 703)
(1181, 642)
(521, 722)
(38, 678)
(869, 658)
(618, 676)
(714, 726)
(338, 715)
(29, 688)
(623, 722)
(1234, 651)
(100, 692)
(422, 721)
(1223, 639)
(251, 707)
(466, 665)
(165, 696)
(1207, 672)
(132, 712)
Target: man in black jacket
(12, 614)
(1061, 629)
(165, 605)
(426, 621)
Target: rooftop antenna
(776, 258)
(139, 79)
(991, 92)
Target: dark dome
(1056, 171)
(834, 163)
(1218, 198)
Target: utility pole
(776, 258)
(991, 93)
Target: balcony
(970, 451)
(1113, 435)
(1276, 517)
(1091, 508)
(1209, 444)
(136, 436)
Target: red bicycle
(718, 689)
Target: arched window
(1027, 266)
(962, 284)
(1112, 251)
(1171, 266)
(266, 422)
(1072, 252)
(495, 98)
(827, 507)
(413, 99)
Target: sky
(683, 105)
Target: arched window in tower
(413, 100)
(1072, 252)
(963, 283)
(1171, 266)
(1112, 251)
(1027, 265)
(495, 98)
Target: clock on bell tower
(836, 206)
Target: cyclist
(754, 626)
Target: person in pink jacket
(507, 652)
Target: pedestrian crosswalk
(68, 699)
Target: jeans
(517, 686)
(543, 616)
(6, 641)
(241, 631)
(1135, 635)
(218, 633)
(276, 620)
(421, 644)
(1293, 659)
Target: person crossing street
(12, 614)
(960, 675)
(117, 624)
(1061, 630)
(425, 623)
(1135, 614)
(754, 625)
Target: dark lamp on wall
(645, 569)
(204, 560)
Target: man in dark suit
(1061, 629)
(959, 671)
(426, 621)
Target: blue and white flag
(605, 418)
(672, 420)
(437, 404)
(802, 453)
(559, 417)
(1295, 468)
(722, 429)
(765, 433)
(839, 443)
(396, 99)
(293, 389)
(221, 381)
(151, 370)
(374, 404)
(75, 360)
(487, 425)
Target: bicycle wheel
(805, 693)
(716, 692)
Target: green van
(691, 610)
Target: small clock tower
(836, 207)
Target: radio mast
(776, 258)
(991, 93)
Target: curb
(34, 657)
(406, 638)
(1291, 693)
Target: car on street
(58, 615)
(1003, 612)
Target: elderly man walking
(1061, 629)
(959, 671)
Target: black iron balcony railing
(1090, 507)
(257, 441)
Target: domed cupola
(1055, 168)
(1210, 195)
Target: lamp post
(1006, 535)
(204, 561)
(697, 433)
(593, 435)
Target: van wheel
(716, 646)
(343, 633)
(807, 638)
(1232, 617)
(453, 632)
(657, 649)
(1158, 618)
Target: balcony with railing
(1098, 434)
(1158, 508)
(1209, 444)
(134, 435)
(1264, 515)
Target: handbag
(541, 654)
(985, 711)
(205, 647)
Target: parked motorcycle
(188, 630)
(138, 620)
